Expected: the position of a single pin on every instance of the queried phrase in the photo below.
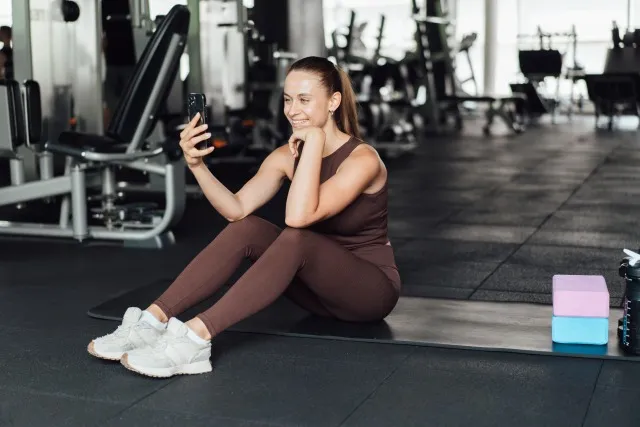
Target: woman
(334, 258)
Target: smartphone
(197, 103)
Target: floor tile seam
(385, 380)
(591, 397)
(139, 400)
(606, 387)
(58, 394)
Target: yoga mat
(488, 326)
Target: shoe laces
(163, 341)
(123, 331)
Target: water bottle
(628, 326)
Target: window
(162, 7)
(398, 27)
(592, 19)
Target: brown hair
(335, 80)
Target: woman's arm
(309, 202)
(304, 192)
(255, 193)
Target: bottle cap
(633, 269)
(633, 257)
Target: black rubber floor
(471, 218)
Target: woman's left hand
(304, 135)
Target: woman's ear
(335, 100)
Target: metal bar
(21, 17)
(26, 229)
(143, 166)
(101, 157)
(241, 18)
(35, 190)
(16, 166)
(173, 211)
(78, 204)
(490, 45)
(45, 160)
(136, 13)
(170, 213)
(193, 42)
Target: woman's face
(305, 100)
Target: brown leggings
(310, 269)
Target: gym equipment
(91, 159)
(580, 310)
(70, 11)
(491, 326)
(614, 95)
(543, 61)
(57, 47)
(464, 47)
(243, 80)
(385, 96)
(436, 75)
(628, 336)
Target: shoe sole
(190, 369)
(92, 350)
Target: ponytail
(347, 112)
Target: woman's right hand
(189, 137)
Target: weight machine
(544, 60)
(435, 75)
(616, 92)
(91, 159)
(384, 93)
(243, 80)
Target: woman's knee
(251, 225)
(249, 232)
(296, 237)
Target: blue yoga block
(580, 330)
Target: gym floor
(471, 217)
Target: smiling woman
(334, 259)
(320, 86)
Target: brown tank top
(362, 226)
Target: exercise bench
(511, 109)
(91, 160)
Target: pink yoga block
(580, 296)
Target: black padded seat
(88, 142)
(16, 118)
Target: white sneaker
(134, 332)
(175, 353)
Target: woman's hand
(303, 135)
(189, 137)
